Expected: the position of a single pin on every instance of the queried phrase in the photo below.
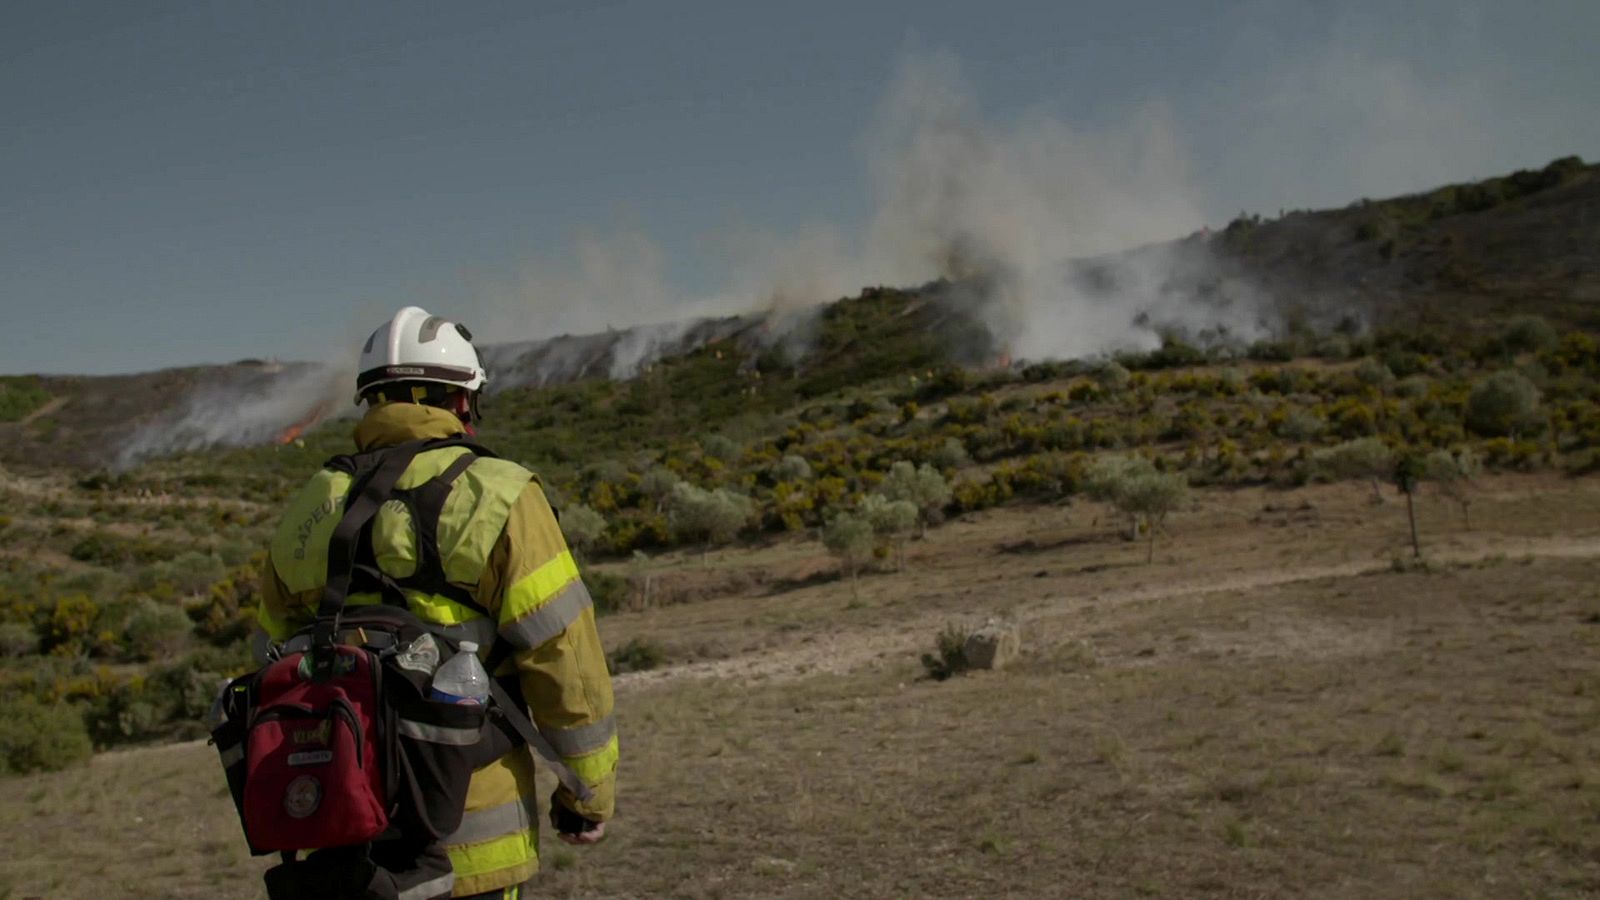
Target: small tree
(1503, 404)
(1408, 471)
(582, 526)
(1107, 481)
(849, 537)
(892, 521)
(1455, 474)
(1368, 458)
(922, 486)
(1151, 497)
(657, 484)
(1140, 491)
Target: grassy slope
(1269, 710)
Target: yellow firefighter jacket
(498, 539)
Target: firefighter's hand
(573, 828)
(593, 836)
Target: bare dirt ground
(1279, 706)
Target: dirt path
(859, 648)
(50, 406)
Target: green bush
(1529, 334)
(1504, 404)
(610, 592)
(171, 702)
(156, 630)
(582, 527)
(950, 654)
(17, 639)
(36, 737)
(637, 655)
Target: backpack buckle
(323, 653)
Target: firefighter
(502, 552)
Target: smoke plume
(243, 406)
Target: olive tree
(892, 521)
(849, 537)
(712, 517)
(1455, 475)
(1140, 491)
(1108, 477)
(921, 486)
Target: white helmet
(416, 346)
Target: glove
(565, 821)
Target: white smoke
(1008, 205)
(1019, 203)
(956, 194)
(246, 406)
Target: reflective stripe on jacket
(498, 539)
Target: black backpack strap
(513, 714)
(362, 502)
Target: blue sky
(202, 182)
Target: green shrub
(1373, 373)
(791, 467)
(637, 655)
(719, 447)
(610, 592)
(950, 654)
(1529, 334)
(714, 517)
(157, 630)
(69, 630)
(171, 702)
(1503, 404)
(1301, 425)
(35, 737)
(17, 639)
(582, 527)
(922, 486)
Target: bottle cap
(469, 646)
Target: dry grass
(1272, 710)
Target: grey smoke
(243, 406)
(1014, 204)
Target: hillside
(1206, 543)
(121, 591)
(1453, 260)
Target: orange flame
(307, 422)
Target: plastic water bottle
(462, 679)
